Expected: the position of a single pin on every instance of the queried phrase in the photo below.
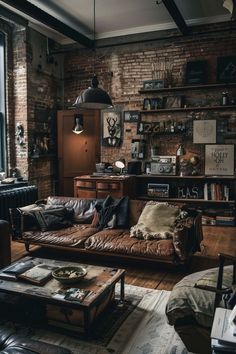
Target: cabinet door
(77, 154)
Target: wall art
(153, 84)
(204, 131)
(219, 160)
(226, 69)
(173, 101)
(196, 72)
(111, 128)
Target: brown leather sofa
(13, 343)
(85, 237)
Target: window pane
(2, 106)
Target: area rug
(143, 331)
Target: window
(2, 105)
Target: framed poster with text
(219, 160)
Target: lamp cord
(94, 33)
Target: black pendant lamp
(94, 97)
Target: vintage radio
(164, 165)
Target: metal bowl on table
(69, 274)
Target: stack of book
(223, 333)
(28, 271)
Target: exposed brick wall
(121, 71)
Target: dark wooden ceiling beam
(176, 15)
(12, 17)
(50, 21)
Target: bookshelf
(214, 195)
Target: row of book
(216, 191)
(219, 216)
(218, 220)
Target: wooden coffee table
(72, 315)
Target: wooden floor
(157, 276)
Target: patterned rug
(141, 329)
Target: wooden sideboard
(100, 187)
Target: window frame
(3, 155)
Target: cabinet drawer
(86, 184)
(103, 194)
(86, 193)
(108, 186)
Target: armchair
(191, 306)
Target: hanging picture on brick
(219, 160)
(226, 69)
(204, 131)
(111, 128)
(196, 72)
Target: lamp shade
(94, 97)
(78, 124)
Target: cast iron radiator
(16, 197)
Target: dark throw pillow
(54, 219)
(112, 213)
(23, 219)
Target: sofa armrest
(5, 244)
(188, 236)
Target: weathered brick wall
(121, 71)
(32, 82)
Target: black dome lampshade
(78, 124)
(94, 97)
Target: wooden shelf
(186, 177)
(190, 87)
(187, 109)
(187, 200)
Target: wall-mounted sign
(204, 131)
(131, 116)
(219, 160)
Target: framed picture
(196, 72)
(131, 116)
(153, 84)
(204, 131)
(226, 69)
(219, 160)
(111, 128)
(173, 101)
(146, 104)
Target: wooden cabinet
(101, 187)
(77, 154)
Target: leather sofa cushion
(186, 300)
(119, 241)
(83, 208)
(13, 343)
(73, 236)
(53, 219)
(157, 221)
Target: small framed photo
(131, 116)
(226, 69)
(173, 101)
(196, 72)
(219, 160)
(153, 84)
(146, 104)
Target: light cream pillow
(156, 221)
